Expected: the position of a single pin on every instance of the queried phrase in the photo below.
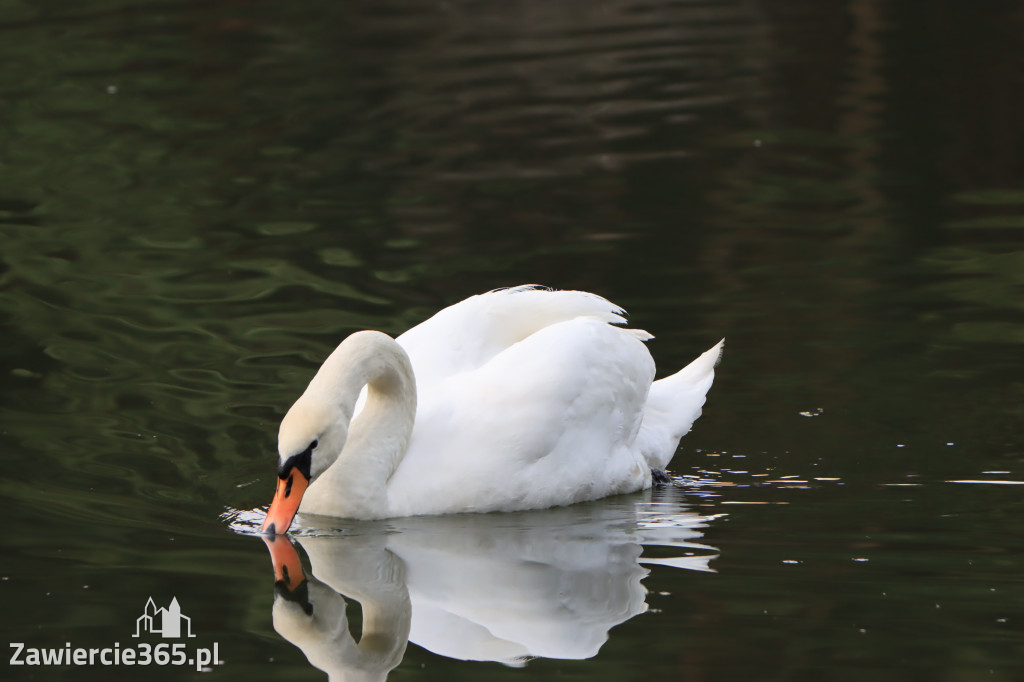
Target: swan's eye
(312, 446)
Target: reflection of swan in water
(494, 587)
(311, 612)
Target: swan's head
(312, 435)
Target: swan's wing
(465, 336)
(469, 334)
(550, 420)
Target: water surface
(198, 201)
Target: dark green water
(199, 200)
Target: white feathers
(525, 398)
(673, 405)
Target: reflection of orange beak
(286, 502)
(287, 567)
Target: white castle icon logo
(167, 621)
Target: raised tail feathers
(673, 405)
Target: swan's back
(467, 335)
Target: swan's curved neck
(355, 484)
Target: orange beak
(287, 567)
(286, 502)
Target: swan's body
(516, 399)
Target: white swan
(520, 398)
